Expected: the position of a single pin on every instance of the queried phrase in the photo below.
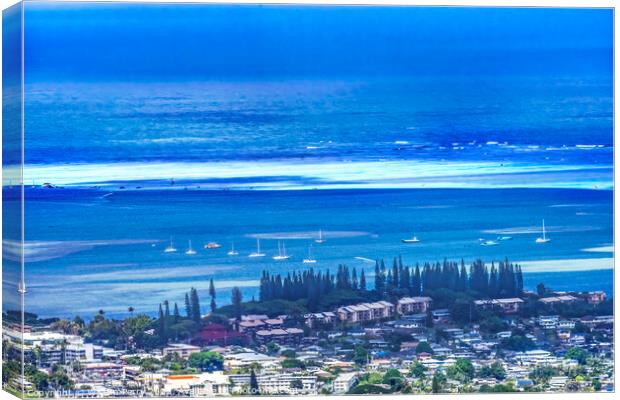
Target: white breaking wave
(305, 174)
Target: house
(441, 316)
(344, 382)
(596, 297)
(290, 336)
(548, 321)
(254, 317)
(247, 358)
(250, 327)
(556, 300)
(274, 323)
(323, 318)
(558, 382)
(217, 334)
(366, 312)
(202, 385)
(413, 305)
(181, 349)
(274, 384)
(508, 305)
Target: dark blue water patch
(602, 279)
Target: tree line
(502, 280)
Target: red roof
(217, 332)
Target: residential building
(344, 382)
(506, 305)
(413, 305)
(441, 316)
(596, 297)
(181, 349)
(366, 312)
(548, 321)
(556, 300)
(202, 385)
(290, 337)
(323, 318)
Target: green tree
(462, 370)
(495, 370)
(439, 380)
(360, 355)
(195, 305)
(188, 307)
(424, 347)
(392, 377)
(254, 389)
(236, 300)
(206, 361)
(212, 294)
(578, 354)
(362, 280)
(418, 370)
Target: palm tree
(131, 310)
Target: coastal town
(435, 328)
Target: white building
(287, 384)
(181, 349)
(507, 305)
(206, 384)
(344, 382)
(548, 321)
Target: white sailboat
(309, 259)
(320, 239)
(414, 239)
(190, 251)
(232, 251)
(544, 238)
(171, 248)
(257, 253)
(281, 253)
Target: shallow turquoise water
(111, 256)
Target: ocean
(91, 250)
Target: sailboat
(309, 259)
(190, 251)
(544, 238)
(281, 253)
(414, 239)
(171, 248)
(232, 251)
(257, 253)
(320, 239)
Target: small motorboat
(212, 245)
(414, 239)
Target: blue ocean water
(534, 120)
(93, 250)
